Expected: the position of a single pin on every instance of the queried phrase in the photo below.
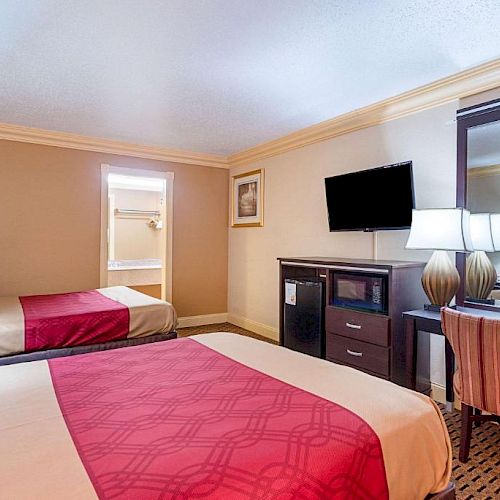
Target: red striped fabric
(476, 343)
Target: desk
(430, 321)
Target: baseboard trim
(202, 319)
(254, 326)
(438, 393)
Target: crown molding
(19, 133)
(483, 171)
(472, 81)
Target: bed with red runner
(215, 416)
(44, 322)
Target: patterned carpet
(220, 327)
(478, 479)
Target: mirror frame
(467, 118)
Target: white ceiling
(220, 76)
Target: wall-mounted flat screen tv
(371, 200)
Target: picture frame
(247, 199)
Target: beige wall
(472, 100)
(133, 237)
(295, 208)
(50, 224)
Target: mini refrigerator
(303, 316)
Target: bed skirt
(448, 493)
(82, 349)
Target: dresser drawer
(363, 355)
(366, 327)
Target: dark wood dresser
(370, 341)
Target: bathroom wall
(133, 237)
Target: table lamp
(481, 273)
(441, 230)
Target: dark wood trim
(373, 328)
(386, 331)
(470, 415)
(282, 300)
(374, 358)
(464, 123)
(447, 494)
(478, 107)
(83, 349)
(411, 351)
(449, 368)
(426, 322)
(460, 261)
(351, 262)
(482, 307)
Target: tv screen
(370, 200)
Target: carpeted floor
(478, 479)
(220, 327)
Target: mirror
(482, 273)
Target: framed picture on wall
(248, 199)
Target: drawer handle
(353, 326)
(354, 353)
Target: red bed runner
(71, 319)
(179, 420)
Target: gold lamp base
(440, 279)
(481, 275)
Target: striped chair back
(476, 343)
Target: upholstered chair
(476, 343)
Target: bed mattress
(214, 416)
(41, 322)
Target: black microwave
(362, 291)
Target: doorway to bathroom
(136, 230)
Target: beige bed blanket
(34, 437)
(148, 316)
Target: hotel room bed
(215, 416)
(46, 326)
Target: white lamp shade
(495, 230)
(440, 229)
(480, 232)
